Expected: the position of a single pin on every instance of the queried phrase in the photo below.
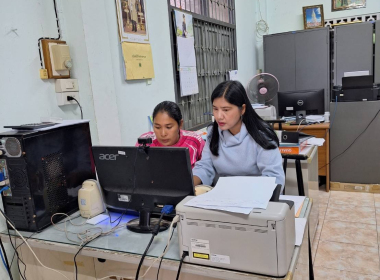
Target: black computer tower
(45, 170)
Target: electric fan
(261, 89)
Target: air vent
(210, 225)
(55, 181)
(18, 178)
(12, 147)
(192, 224)
(225, 227)
(241, 228)
(261, 230)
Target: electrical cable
(162, 257)
(352, 142)
(5, 262)
(154, 233)
(143, 257)
(170, 235)
(2, 259)
(18, 257)
(119, 218)
(300, 124)
(30, 248)
(47, 38)
(171, 229)
(75, 262)
(22, 243)
(184, 255)
(15, 249)
(69, 98)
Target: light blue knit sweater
(239, 155)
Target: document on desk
(316, 141)
(238, 194)
(300, 230)
(298, 201)
(315, 118)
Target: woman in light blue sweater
(239, 143)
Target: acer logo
(108, 156)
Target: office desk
(120, 253)
(320, 131)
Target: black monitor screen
(143, 179)
(311, 101)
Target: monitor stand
(145, 224)
(301, 117)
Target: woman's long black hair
(261, 132)
(171, 108)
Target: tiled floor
(347, 242)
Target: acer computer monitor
(143, 179)
(311, 101)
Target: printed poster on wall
(138, 61)
(186, 53)
(132, 21)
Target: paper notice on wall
(233, 75)
(188, 80)
(138, 61)
(186, 52)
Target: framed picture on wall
(132, 21)
(313, 17)
(338, 5)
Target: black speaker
(45, 170)
(289, 137)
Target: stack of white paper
(300, 224)
(315, 118)
(316, 141)
(237, 194)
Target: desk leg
(311, 270)
(301, 190)
(284, 167)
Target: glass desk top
(122, 240)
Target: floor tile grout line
(343, 270)
(375, 246)
(349, 221)
(377, 233)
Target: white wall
(246, 39)
(24, 96)
(117, 109)
(286, 16)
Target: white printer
(261, 242)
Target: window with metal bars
(215, 53)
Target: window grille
(215, 53)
